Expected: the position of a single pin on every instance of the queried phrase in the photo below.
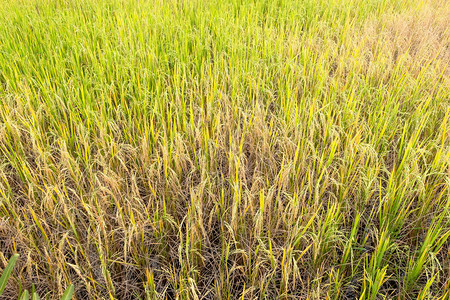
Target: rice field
(231, 149)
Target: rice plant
(233, 149)
(25, 294)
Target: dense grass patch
(235, 149)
